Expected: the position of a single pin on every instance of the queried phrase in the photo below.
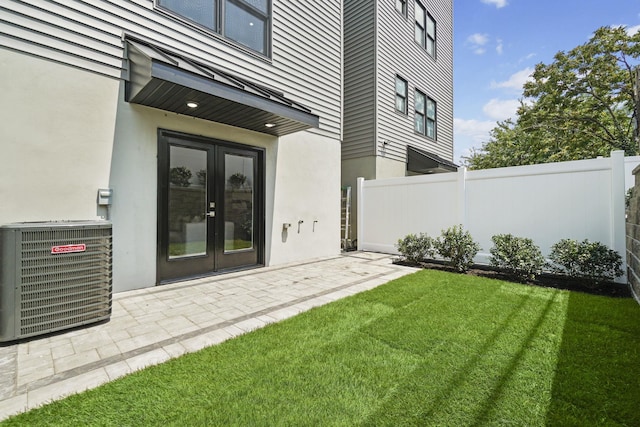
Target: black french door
(210, 206)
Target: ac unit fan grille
(68, 289)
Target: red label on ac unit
(68, 249)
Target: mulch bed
(546, 280)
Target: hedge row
(519, 257)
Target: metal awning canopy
(424, 162)
(166, 80)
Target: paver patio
(152, 325)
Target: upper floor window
(425, 32)
(247, 22)
(401, 6)
(401, 95)
(425, 115)
(431, 36)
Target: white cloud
(501, 109)
(632, 30)
(469, 134)
(478, 42)
(515, 81)
(499, 47)
(476, 130)
(498, 3)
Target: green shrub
(591, 261)
(518, 256)
(457, 247)
(415, 248)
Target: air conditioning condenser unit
(54, 276)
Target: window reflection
(201, 11)
(244, 21)
(238, 203)
(245, 27)
(187, 202)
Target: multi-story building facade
(216, 124)
(398, 89)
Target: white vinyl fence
(582, 199)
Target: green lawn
(432, 348)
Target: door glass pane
(187, 202)
(238, 203)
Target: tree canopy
(583, 105)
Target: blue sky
(497, 43)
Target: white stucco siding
(307, 189)
(56, 139)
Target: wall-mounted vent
(53, 276)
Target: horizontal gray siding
(307, 44)
(359, 79)
(398, 53)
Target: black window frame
(422, 115)
(425, 40)
(419, 25)
(428, 119)
(398, 95)
(431, 39)
(403, 7)
(219, 29)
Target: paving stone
(141, 341)
(175, 349)
(91, 342)
(177, 326)
(75, 360)
(250, 324)
(151, 358)
(109, 350)
(58, 390)
(8, 365)
(117, 370)
(13, 406)
(29, 374)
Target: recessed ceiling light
(192, 104)
(269, 125)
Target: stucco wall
(57, 137)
